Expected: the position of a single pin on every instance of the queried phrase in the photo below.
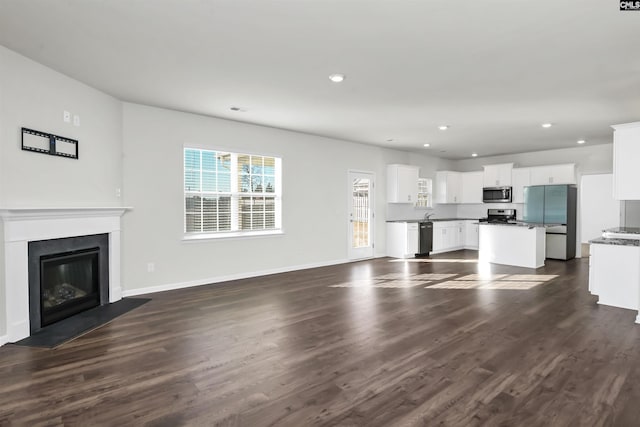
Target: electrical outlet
(151, 267)
(76, 120)
(66, 116)
(118, 193)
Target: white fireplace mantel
(24, 225)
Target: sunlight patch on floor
(435, 260)
(433, 276)
(471, 284)
(485, 279)
(394, 276)
(482, 276)
(534, 277)
(391, 284)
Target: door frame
(352, 254)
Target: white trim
(25, 214)
(222, 149)
(4, 339)
(24, 225)
(626, 125)
(230, 277)
(372, 217)
(199, 237)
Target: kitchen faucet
(427, 215)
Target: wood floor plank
(292, 350)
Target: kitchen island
(614, 268)
(519, 244)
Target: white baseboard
(459, 248)
(220, 279)
(3, 340)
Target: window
(230, 193)
(424, 193)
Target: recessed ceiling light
(443, 127)
(547, 125)
(390, 140)
(427, 145)
(337, 78)
(581, 141)
(474, 155)
(242, 110)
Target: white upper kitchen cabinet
(626, 152)
(471, 189)
(448, 187)
(497, 175)
(520, 178)
(402, 183)
(553, 174)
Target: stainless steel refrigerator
(555, 207)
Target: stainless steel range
(500, 216)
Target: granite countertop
(623, 230)
(433, 220)
(514, 224)
(522, 224)
(618, 242)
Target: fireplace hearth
(67, 276)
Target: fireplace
(67, 276)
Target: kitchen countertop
(618, 242)
(516, 224)
(433, 220)
(624, 230)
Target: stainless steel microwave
(496, 194)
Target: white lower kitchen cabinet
(614, 275)
(403, 239)
(448, 236)
(471, 237)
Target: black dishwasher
(426, 238)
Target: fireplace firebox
(66, 277)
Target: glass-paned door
(361, 242)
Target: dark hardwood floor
(291, 350)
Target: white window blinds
(231, 192)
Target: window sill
(199, 237)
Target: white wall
(35, 96)
(3, 298)
(598, 207)
(589, 159)
(314, 200)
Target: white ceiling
(493, 70)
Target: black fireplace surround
(66, 277)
